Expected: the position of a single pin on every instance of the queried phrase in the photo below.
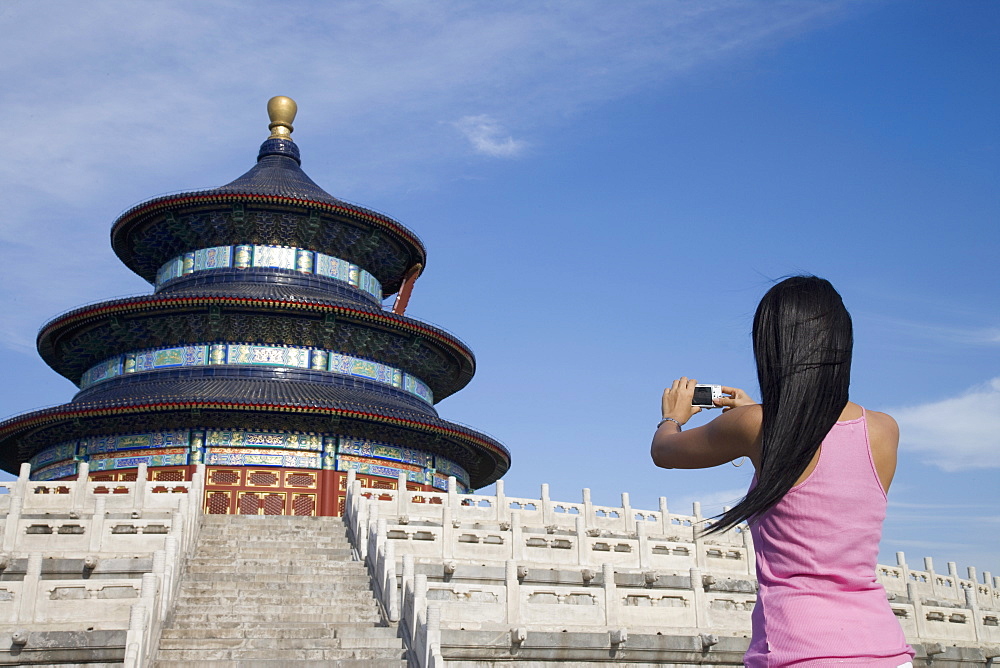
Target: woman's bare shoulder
(883, 437)
(883, 428)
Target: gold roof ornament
(281, 111)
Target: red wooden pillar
(328, 493)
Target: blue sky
(605, 191)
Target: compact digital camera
(704, 394)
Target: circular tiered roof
(268, 265)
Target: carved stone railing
(472, 561)
(131, 535)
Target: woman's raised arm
(734, 434)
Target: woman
(816, 505)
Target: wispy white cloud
(488, 137)
(942, 333)
(957, 433)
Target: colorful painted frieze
(239, 438)
(268, 356)
(243, 457)
(277, 257)
(61, 470)
(365, 448)
(96, 445)
(106, 369)
(415, 386)
(115, 461)
(414, 474)
(255, 354)
(331, 267)
(56, 453)
(244, 256)
(218, 257)
(447, 467)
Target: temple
(264, 352)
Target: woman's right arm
(734, 434)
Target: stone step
(326, 569)
(219, 603)
(286, 655)
(264, 578)
(303, 545)
(281, 663)
(280, 643)
(353, 582)
(297, 631)
(201, 619)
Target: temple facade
(264, 352)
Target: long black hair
(802, 343)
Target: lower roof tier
(76, 342)
(251, 404)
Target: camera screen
(702, 397)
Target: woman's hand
(737, 397)
(676, 402)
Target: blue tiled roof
(278, 172)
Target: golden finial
(282, 112)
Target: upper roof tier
(274, 203)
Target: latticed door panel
(303, 504)
(218, 502)
(273, 504)
(249, 503)
(226, 477)
(263, 478)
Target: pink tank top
(819, 603)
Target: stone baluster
(350, 507)
(972, 602)
(956, 581)
(546, 505)
(30, 589)
(700, 556)
(407, 581)
(135, 639)
(21, 486)
(516, 537)
(500, 507)
(419, 604)
(13, 521)
(611, 603)
(79, 487)
(147, 591)
(390, 593)
(513, 593)
(643, 540)
(903, 567)
(700, 602)
(140, 487)
(582, 551)
(402, 495)
(453, 501)
(918, 609)
(447, 533)
(664, 517)
(629, 519)
(433, 632)
(378, 560)
(97, 524)
(588, 510)
(932, 576)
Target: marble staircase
(269, 591)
